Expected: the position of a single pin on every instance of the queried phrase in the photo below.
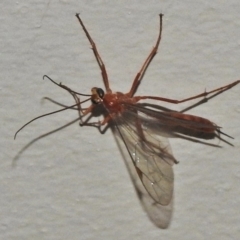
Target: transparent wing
(149, 151)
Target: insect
(143, 127)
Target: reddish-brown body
(114, 102)
(199, 123)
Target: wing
(149, 151)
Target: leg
(142, 71)
(78, 103)
(97, 56)
(98, 124)
(218, 90)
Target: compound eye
(100, 93)
(97, 95)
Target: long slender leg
(204, 94)
(97, 55)
(78, 102)
(145, 65)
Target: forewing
(150, 153)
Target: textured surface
(73, 184)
